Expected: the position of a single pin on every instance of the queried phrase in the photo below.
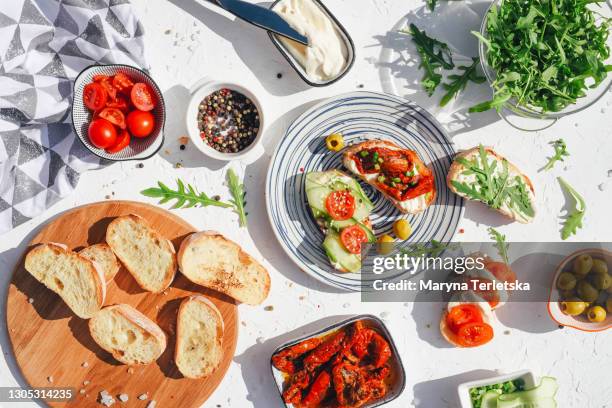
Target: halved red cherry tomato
(123, 140)
(122, 82)
(118, 103)
(94, 96)
(108, 86)
(142, 97)
(352, 237)
(474, 334)
(340, 205)
(100, 77)
(102, 133)
(463, 314)
(114, 116)
(140, 123)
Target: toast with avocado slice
(342, 211)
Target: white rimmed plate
(359, 116)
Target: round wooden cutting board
(53, 347)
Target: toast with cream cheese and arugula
(481, 174)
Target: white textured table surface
(186, 41)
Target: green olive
(385, 244)
(601, 281)
(402, 229)
(609, 305)
(583, 265)
(566, 281)
(596, 314)
(334, 142)
(586, 291)
(600, 266)
(567, 294)
(573, 307)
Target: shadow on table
(529, 311)
(256, 367)
(259, 224)
(252, 45)
(398, 64)
(442, 392)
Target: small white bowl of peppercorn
(225, 121)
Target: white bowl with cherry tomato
(118, 112)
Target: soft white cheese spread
(327, 55)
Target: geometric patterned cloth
(44, 44)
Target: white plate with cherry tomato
(118, 112)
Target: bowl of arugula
(545, 60)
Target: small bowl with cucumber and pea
(516, 390)
(581, 291)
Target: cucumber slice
(338, 255)
(316, 199)
(336, 180)
(520, 402)
(547, 389)
(489, 399)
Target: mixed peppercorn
(228, 121)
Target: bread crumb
(123, 397)
(85, 364)
(82, 391)
(86, 382)
(50, 379)
(151, 404)
(269, 308)
(183, 140)
(130, 370)
(31, 300)
(106, 399)
(143, 397)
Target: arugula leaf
(501, 245)
(459, 82)
(560, 153)
(546, 54)
(493, 186)
(434, 55)
(185, 197)
(574, 219)
(431, 4)
(239, 195)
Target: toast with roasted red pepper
(398, 173)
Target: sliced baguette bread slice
(130, 336)
(211, 260)
(457, 174)
(104, 258)
(148, 256)
(78, 280)
(199, 337)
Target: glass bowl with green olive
(581, 292)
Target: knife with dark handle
(262, 18)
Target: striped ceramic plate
(358, 116)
